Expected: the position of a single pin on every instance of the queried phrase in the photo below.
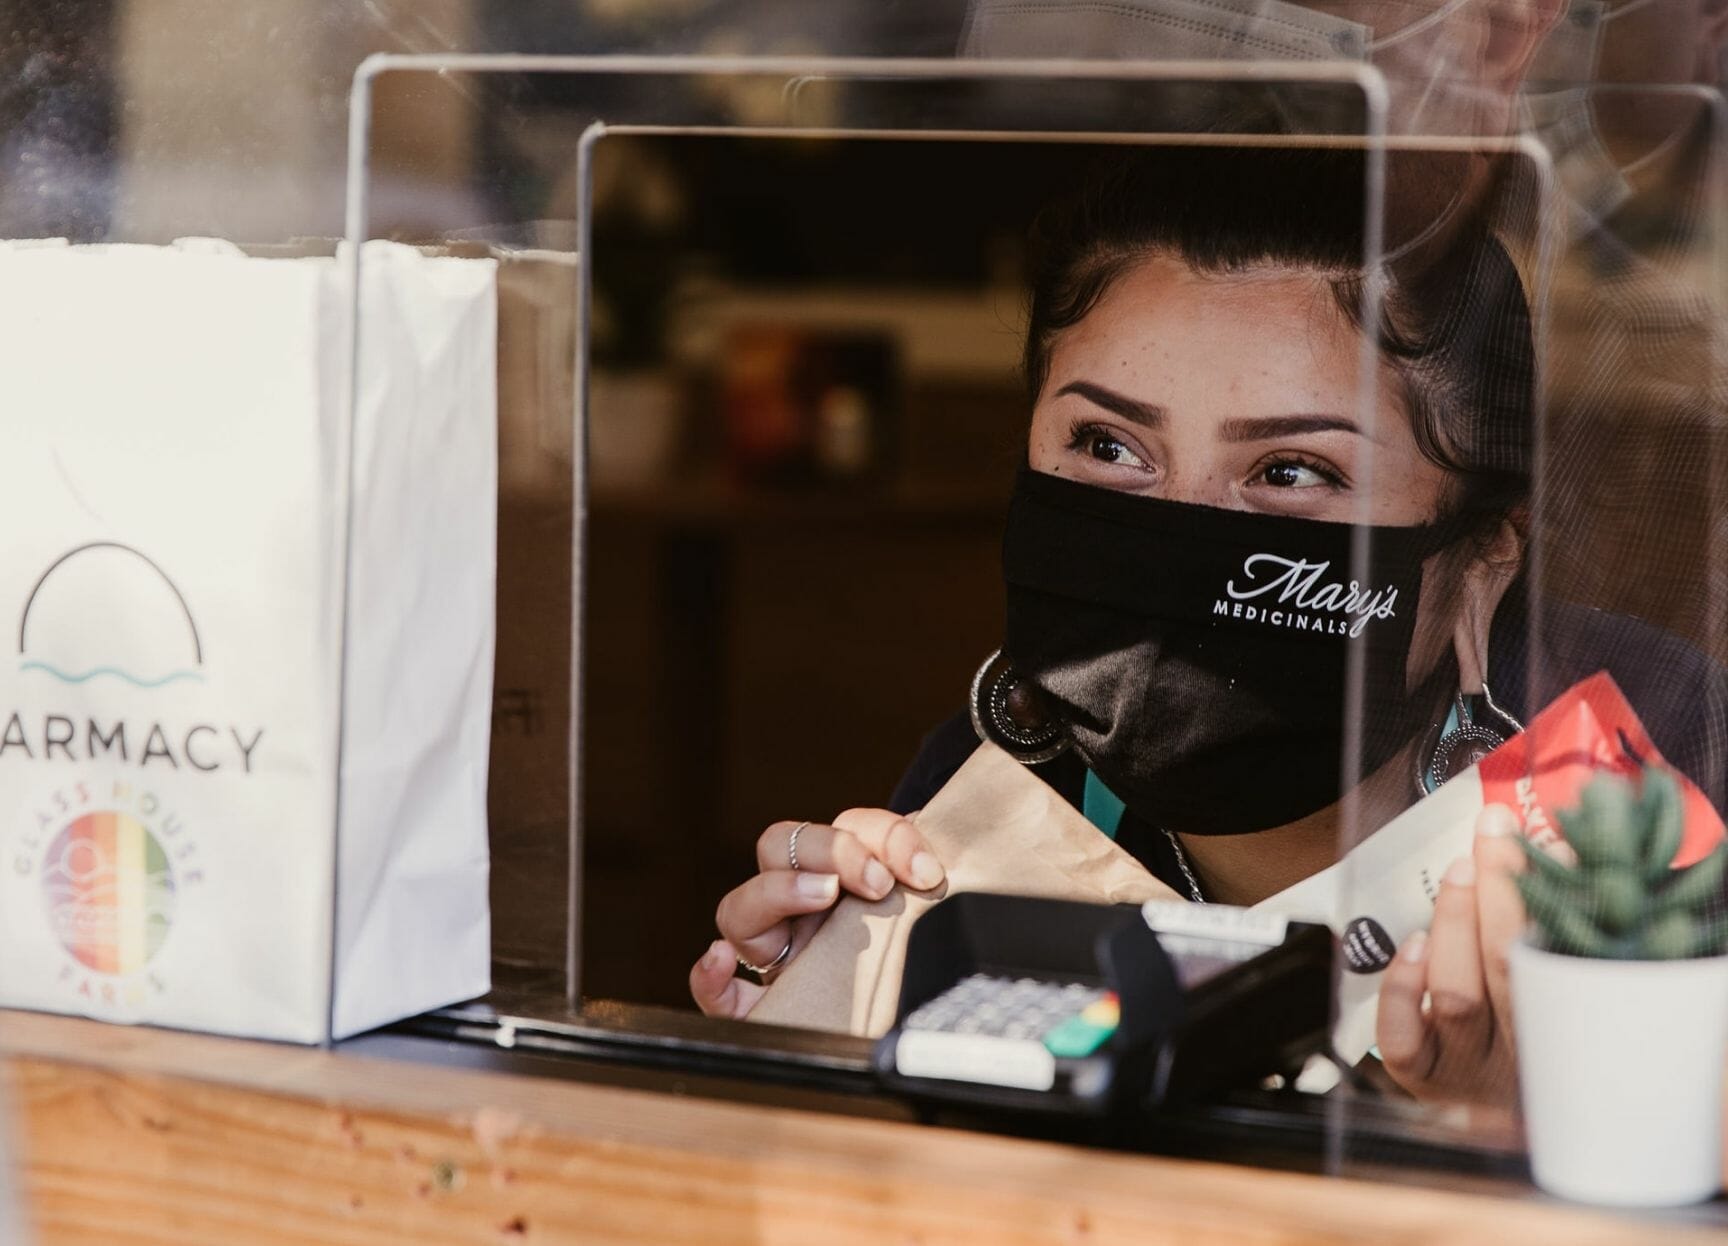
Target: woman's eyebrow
(1268, 427)
(1147, 414)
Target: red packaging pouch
(1382, 891)
(1590, 728)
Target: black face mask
(1197, 656)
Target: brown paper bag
(995, 827)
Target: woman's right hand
(864, 852)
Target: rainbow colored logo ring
(110, 890)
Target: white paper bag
(180, 723)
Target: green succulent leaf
(1545, 892)
(1543, 862)
(1571, 933)
(1556, 908)
(1620, 897)
(1673, 936)
(1622, 900)
(1661, 806)
(1604, 828)
(1696, 886)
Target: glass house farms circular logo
(109, 887)
(111, 866)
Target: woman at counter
(1178, 565)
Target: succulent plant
(1622, 901)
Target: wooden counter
(147, 1138)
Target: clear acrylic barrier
(1629, 496)
(1636, 377)
(886, 247)
(728, 654)
(1609, 559)
(1466, 340)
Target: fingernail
(926, 871)
(1415, 948)
(1496, 821)
(818, 886)
(716, 955)
(1462, 872)
(877, 880)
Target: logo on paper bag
(109, 630)
(106, 611)
(110, 892)
(105, 615)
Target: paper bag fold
(995, 827)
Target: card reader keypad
(1070, 1019)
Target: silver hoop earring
(1475, 731)
(1009, 712)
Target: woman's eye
(1097, 443)
(1293, 475)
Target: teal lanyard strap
(1102, 807)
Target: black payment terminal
(1059, 1005)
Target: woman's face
(1235, 391)
(1240, 391)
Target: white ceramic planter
(1620, 1065)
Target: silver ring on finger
(792, 846)
(758, 972)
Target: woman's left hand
(1445, 1025)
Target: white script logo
(1296, 583)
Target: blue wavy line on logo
(115, 671)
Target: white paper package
(1380, 894)
(173, 732)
